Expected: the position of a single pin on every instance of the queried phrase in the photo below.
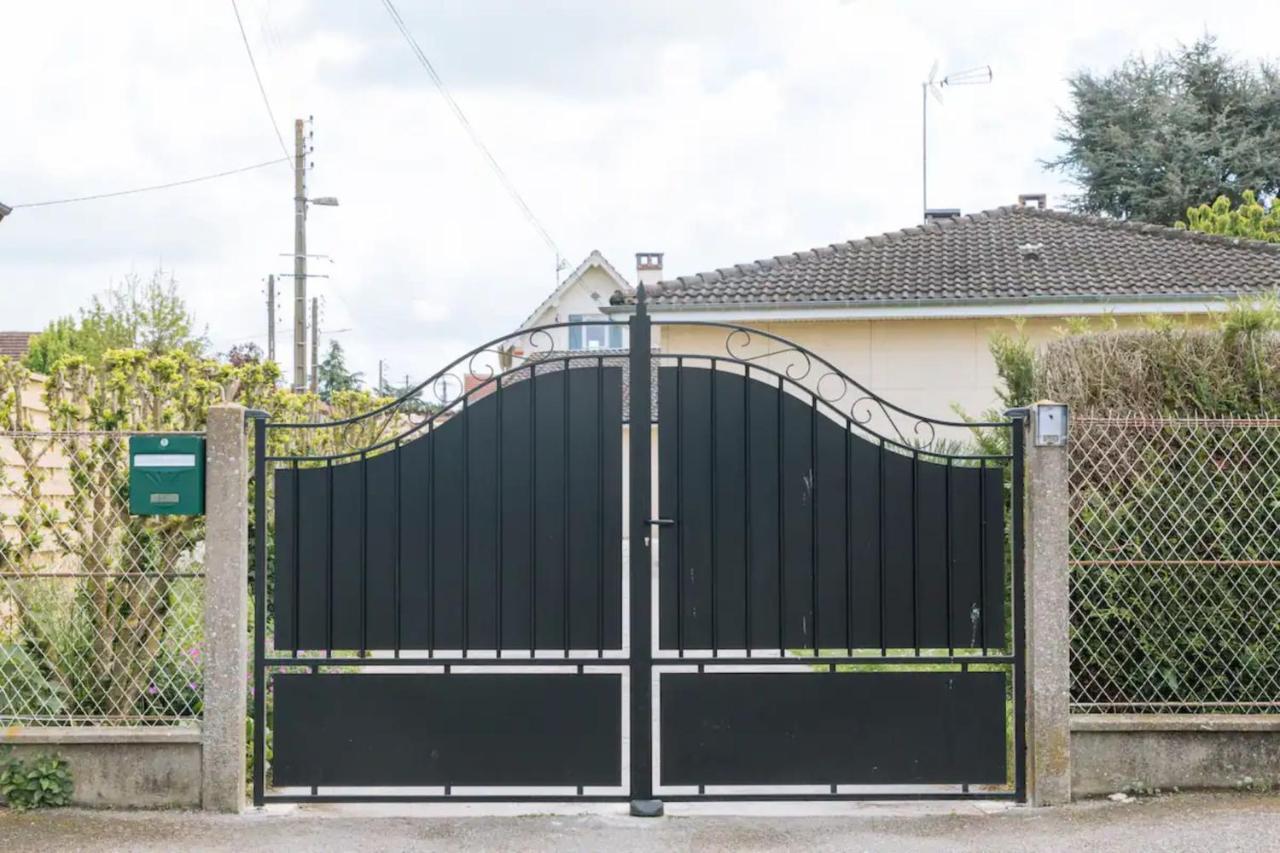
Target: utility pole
(315, 344)
(271, 318)
(380, 386)
(299, 259)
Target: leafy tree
(1249, 219)
(1150, 139)
(148, 315)
(332, 373)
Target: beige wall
(925, 366)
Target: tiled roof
(1010, 253)
(15, 344)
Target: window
(602, 335)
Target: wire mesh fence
(101, 612)
(1175, 565)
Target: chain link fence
(1175, 565)
(101, 612)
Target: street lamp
(979, 76)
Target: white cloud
(718, 132)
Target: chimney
(936, 214)
(1040, 199)
(648, 268)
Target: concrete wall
(1113, 752)
(119, 767)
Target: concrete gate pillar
(1046, 622)
(226, 600)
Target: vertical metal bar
(915, 551)
(431, 538)
(466, 527)
(564, 544)
(641, 617)
(982, 555)
(715, 484)
(260, 528)
(600, 547)
(398, 546)
(884, 650)
(678, 556)
(364, 551)
(946, 537)
(328, 565)
(746, 503)
(848, 538)
(1019, 610)
(297, 557)
(813, 518)
(499, 523)
(782, 532)
(533, 508)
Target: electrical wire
(471, 131)
(154, 186)
(266, 102)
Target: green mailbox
(166, 474)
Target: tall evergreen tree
(1150, 139)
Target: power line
(154, 186)
(266, 102)
(471, 131)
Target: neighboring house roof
(15, 344)
(1009, 254)
(595, 259)
(579, 359)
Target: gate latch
(661, 522)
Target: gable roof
(1007, 254)
(594, 259)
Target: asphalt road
(1187, 822)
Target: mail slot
(166, 474)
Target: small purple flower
(191, 685)
(152, 690)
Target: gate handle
(661, 522)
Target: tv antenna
(979, 76)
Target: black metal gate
(446, 606)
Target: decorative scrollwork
(741, 339)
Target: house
(909, 314)
(582, 295)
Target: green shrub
(36, 783)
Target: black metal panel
(508, 514)
(852, 728)
(879, 547)
(414, 729)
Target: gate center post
(643, 803)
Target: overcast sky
(717, 132)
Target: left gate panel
(498, 528)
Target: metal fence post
(225, 607)
(1047, 621)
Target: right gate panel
(794, 530)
